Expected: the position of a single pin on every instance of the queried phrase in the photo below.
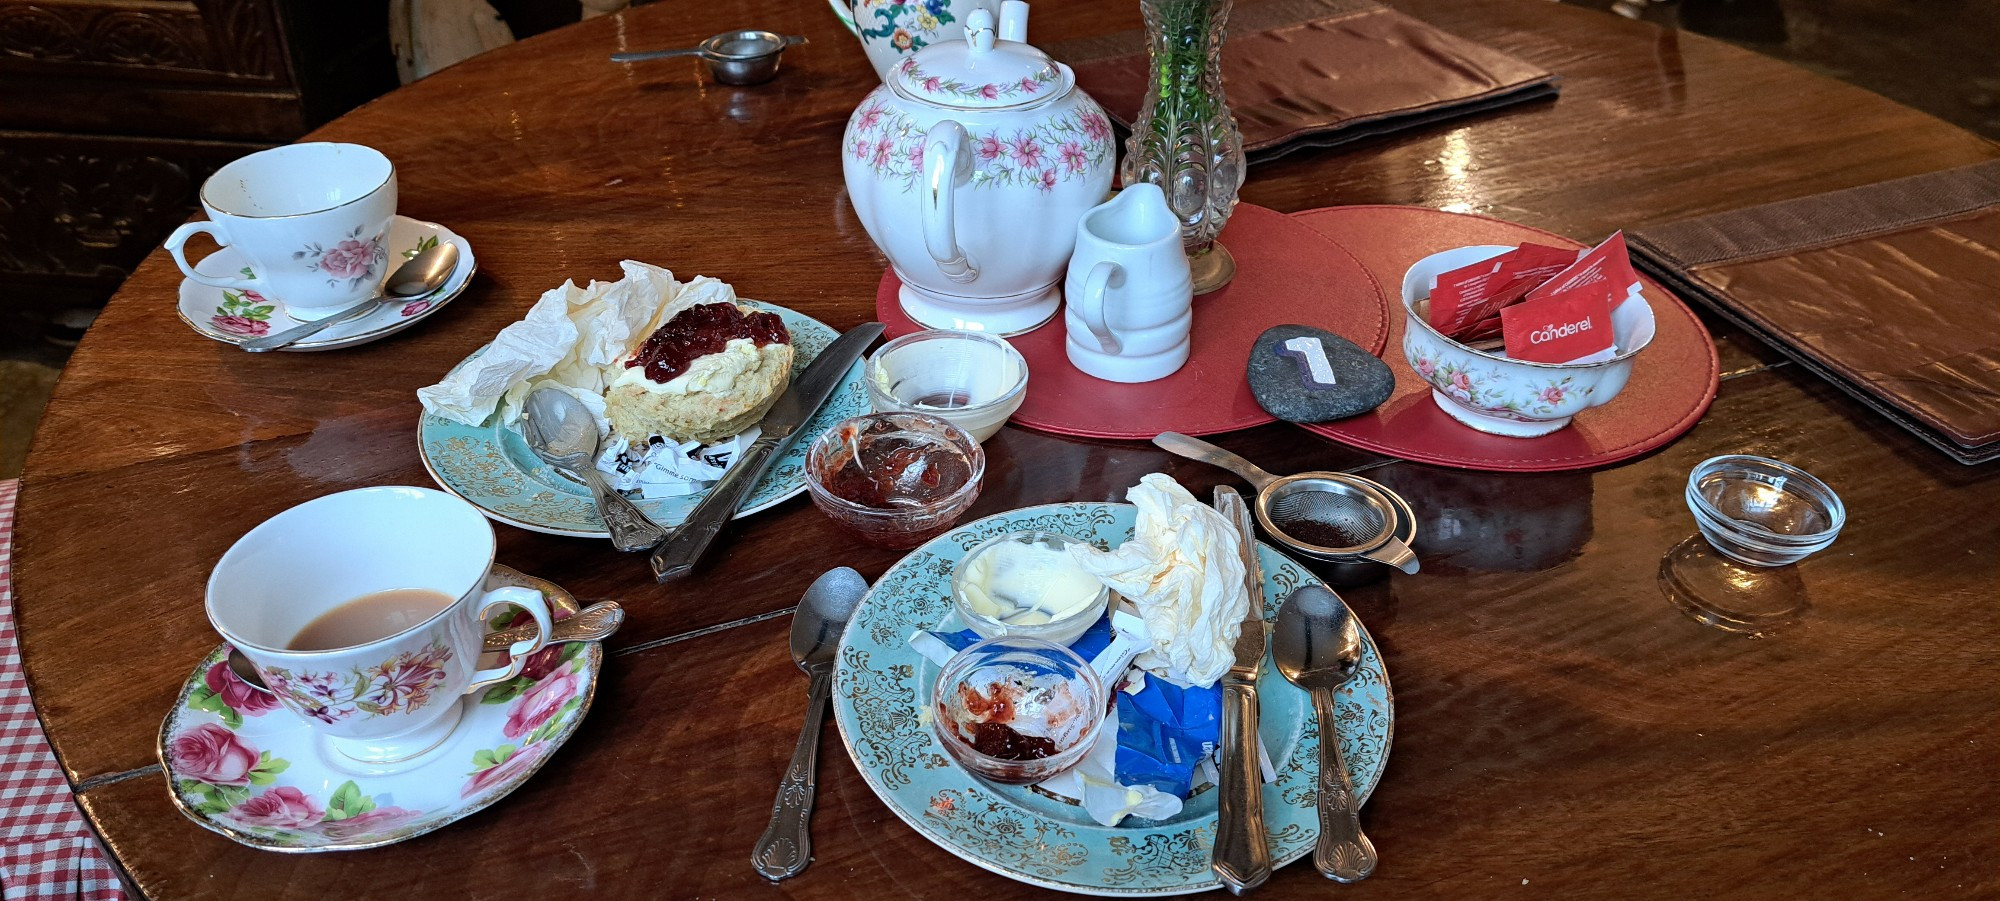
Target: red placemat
(1672, 383)
(1285, 273)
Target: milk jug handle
(947, 164)
(1089, 306)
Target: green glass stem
(1185, 139)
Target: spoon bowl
(422, 274)
(562, 432)
(1316, 644)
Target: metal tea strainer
(1329, 516)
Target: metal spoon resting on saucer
(786, 846)
(561, 431)
(1317, 645)
(593, 623)
(424, 273)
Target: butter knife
(675, 557)
(1242, 859)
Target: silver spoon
(561, 431)
(785, 848)
(1316, 644)
(424, 273)
(593, 623)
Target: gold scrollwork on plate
(1004, 834)
(887, 706)
(1161, 855)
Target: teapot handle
(846, 14)
(946, 166)
(1089, 306)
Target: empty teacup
(365, 611)
(1130, 298)
(311, 220)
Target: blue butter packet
(1164, 731)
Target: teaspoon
(424, 273)
(1316, 644)
(561, 431)
(785, 848)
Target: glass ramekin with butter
(1027, 584)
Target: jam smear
(991, 735)
(1003, 743)
(700, 330)
(898, 472)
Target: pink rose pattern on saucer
(351, 259)
(221, 777)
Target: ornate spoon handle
(630, 529)
(786, 846)
(1343, 853)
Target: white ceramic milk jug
(1130, 300)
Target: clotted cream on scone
(706, 369)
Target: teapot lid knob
(979, 32)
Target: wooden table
(1562, 730)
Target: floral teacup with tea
(366, 633)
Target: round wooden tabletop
(1561, 728)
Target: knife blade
(1241, 858)
(675, 557)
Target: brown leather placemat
(1315, 73)
(1891, 291)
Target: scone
(710, 372)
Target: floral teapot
(970, 167)
(891, 30)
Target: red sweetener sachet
(1529, 266)
(1462, 291)
(1607, 263)
(1565, 327)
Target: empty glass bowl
(1763, 512)
(1017, 710)
(895, 480)
(971, 378)
(1026, 584)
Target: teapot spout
(1014, 21)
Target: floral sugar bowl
(970, 167)
(1516, 398)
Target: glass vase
(1185, 139)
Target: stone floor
(1936, 56)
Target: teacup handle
(527, 599)
(178, 241)
(1090, 306)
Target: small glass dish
(992, 593)
(971, 378)
(895, 480)
(1763, 512)
(1017, 710)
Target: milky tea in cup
(365, 612)
(309, 221)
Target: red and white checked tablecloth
(46, 849)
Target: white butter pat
(1183, 570)
(1027, 584)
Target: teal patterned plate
(490, 465)
(880, 685)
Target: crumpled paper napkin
(1184, 571)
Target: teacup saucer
(233, 317)
(238, 764)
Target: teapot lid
(990, 69)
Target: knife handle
(676, 556)
(1242, 859)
